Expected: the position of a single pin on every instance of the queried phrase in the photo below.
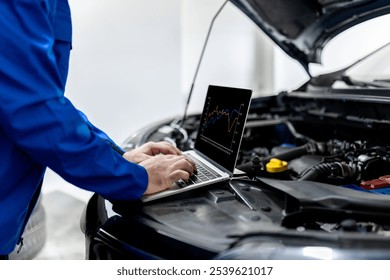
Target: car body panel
(302, 28)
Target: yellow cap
(276, 165)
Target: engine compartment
(312, 170)
(338, 142)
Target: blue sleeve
(101, 134)
(35, 114)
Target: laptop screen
(222, 124)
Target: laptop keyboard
(204, 173)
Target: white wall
(125, 64)
(237, 54)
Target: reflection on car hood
(303, 27)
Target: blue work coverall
(41, 128)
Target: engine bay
(309, 140)
(312, 170)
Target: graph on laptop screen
(221, 127)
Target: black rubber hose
(290, 154)
(318, 171)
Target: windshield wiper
(375, 83)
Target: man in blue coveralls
(40, 128)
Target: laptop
(218, 140)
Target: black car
(312, 177)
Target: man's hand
(164, 163)
(151, 149)
(164, 170)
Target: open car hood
(303, 27)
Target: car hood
(303, 27)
